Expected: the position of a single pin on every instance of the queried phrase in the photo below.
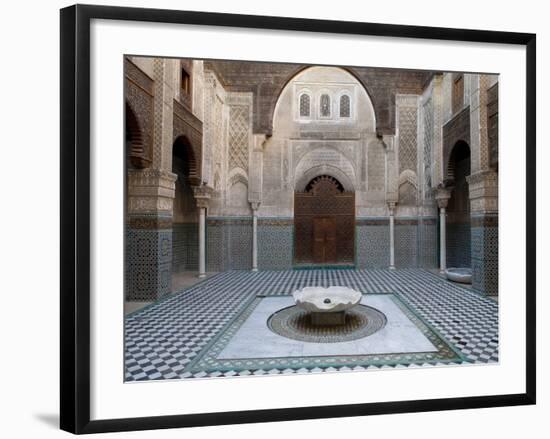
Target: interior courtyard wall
(247, 169)
(150, 195)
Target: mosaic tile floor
(176, 337)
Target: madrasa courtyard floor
(219, 327)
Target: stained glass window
(345, 109)
(304, 105)
(325, 106)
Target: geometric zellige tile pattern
(275, 244)
(161, 340)
(148, 264)
(229, 246)
(484, 256)
(406, 246)
(372, 246)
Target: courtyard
(206, 330)
(250, 182)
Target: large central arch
(324, 219)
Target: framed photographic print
(268, 218)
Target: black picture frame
(75, 217)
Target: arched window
(345, 106)
(305, 104)
(325, 105)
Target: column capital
(391, 206)
(202, 195)
(254, 205)
(442, 195)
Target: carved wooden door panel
(318, 240)
(330, 240)
(324, 240)
(324, 223)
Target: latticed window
(457, 101)
(345, 107)
(325, 105)
(304, 105)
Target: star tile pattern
(166, 339)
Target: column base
(201, 275)
(254, 269)
(391, 267)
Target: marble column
(443, 240)
(255, 207)
(392, 235)
(442, 197)
(202, 197)
(202, 241)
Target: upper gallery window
(185, 81)
(325, 105)
(305, 105)
(457, 100)
(345, 106)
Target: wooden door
(324, 223)
(324, 240)
(318, 240)
(330, 240)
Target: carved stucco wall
(235, 160)
(304, 147)
(215, 112)
(407, 146)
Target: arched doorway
(136, 150)
(185, 217)
(324, 219)
(458, 209)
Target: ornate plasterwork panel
(407, 188)
(492, 125)
(215, 123)
(407, 127)
(238, 137)
(239, 130)
(150, 191)
(376, 163)
(325, 160)
(483, 192)
(428, 121)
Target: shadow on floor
(49, 419)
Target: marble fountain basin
(460, 275)
(327, 306)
